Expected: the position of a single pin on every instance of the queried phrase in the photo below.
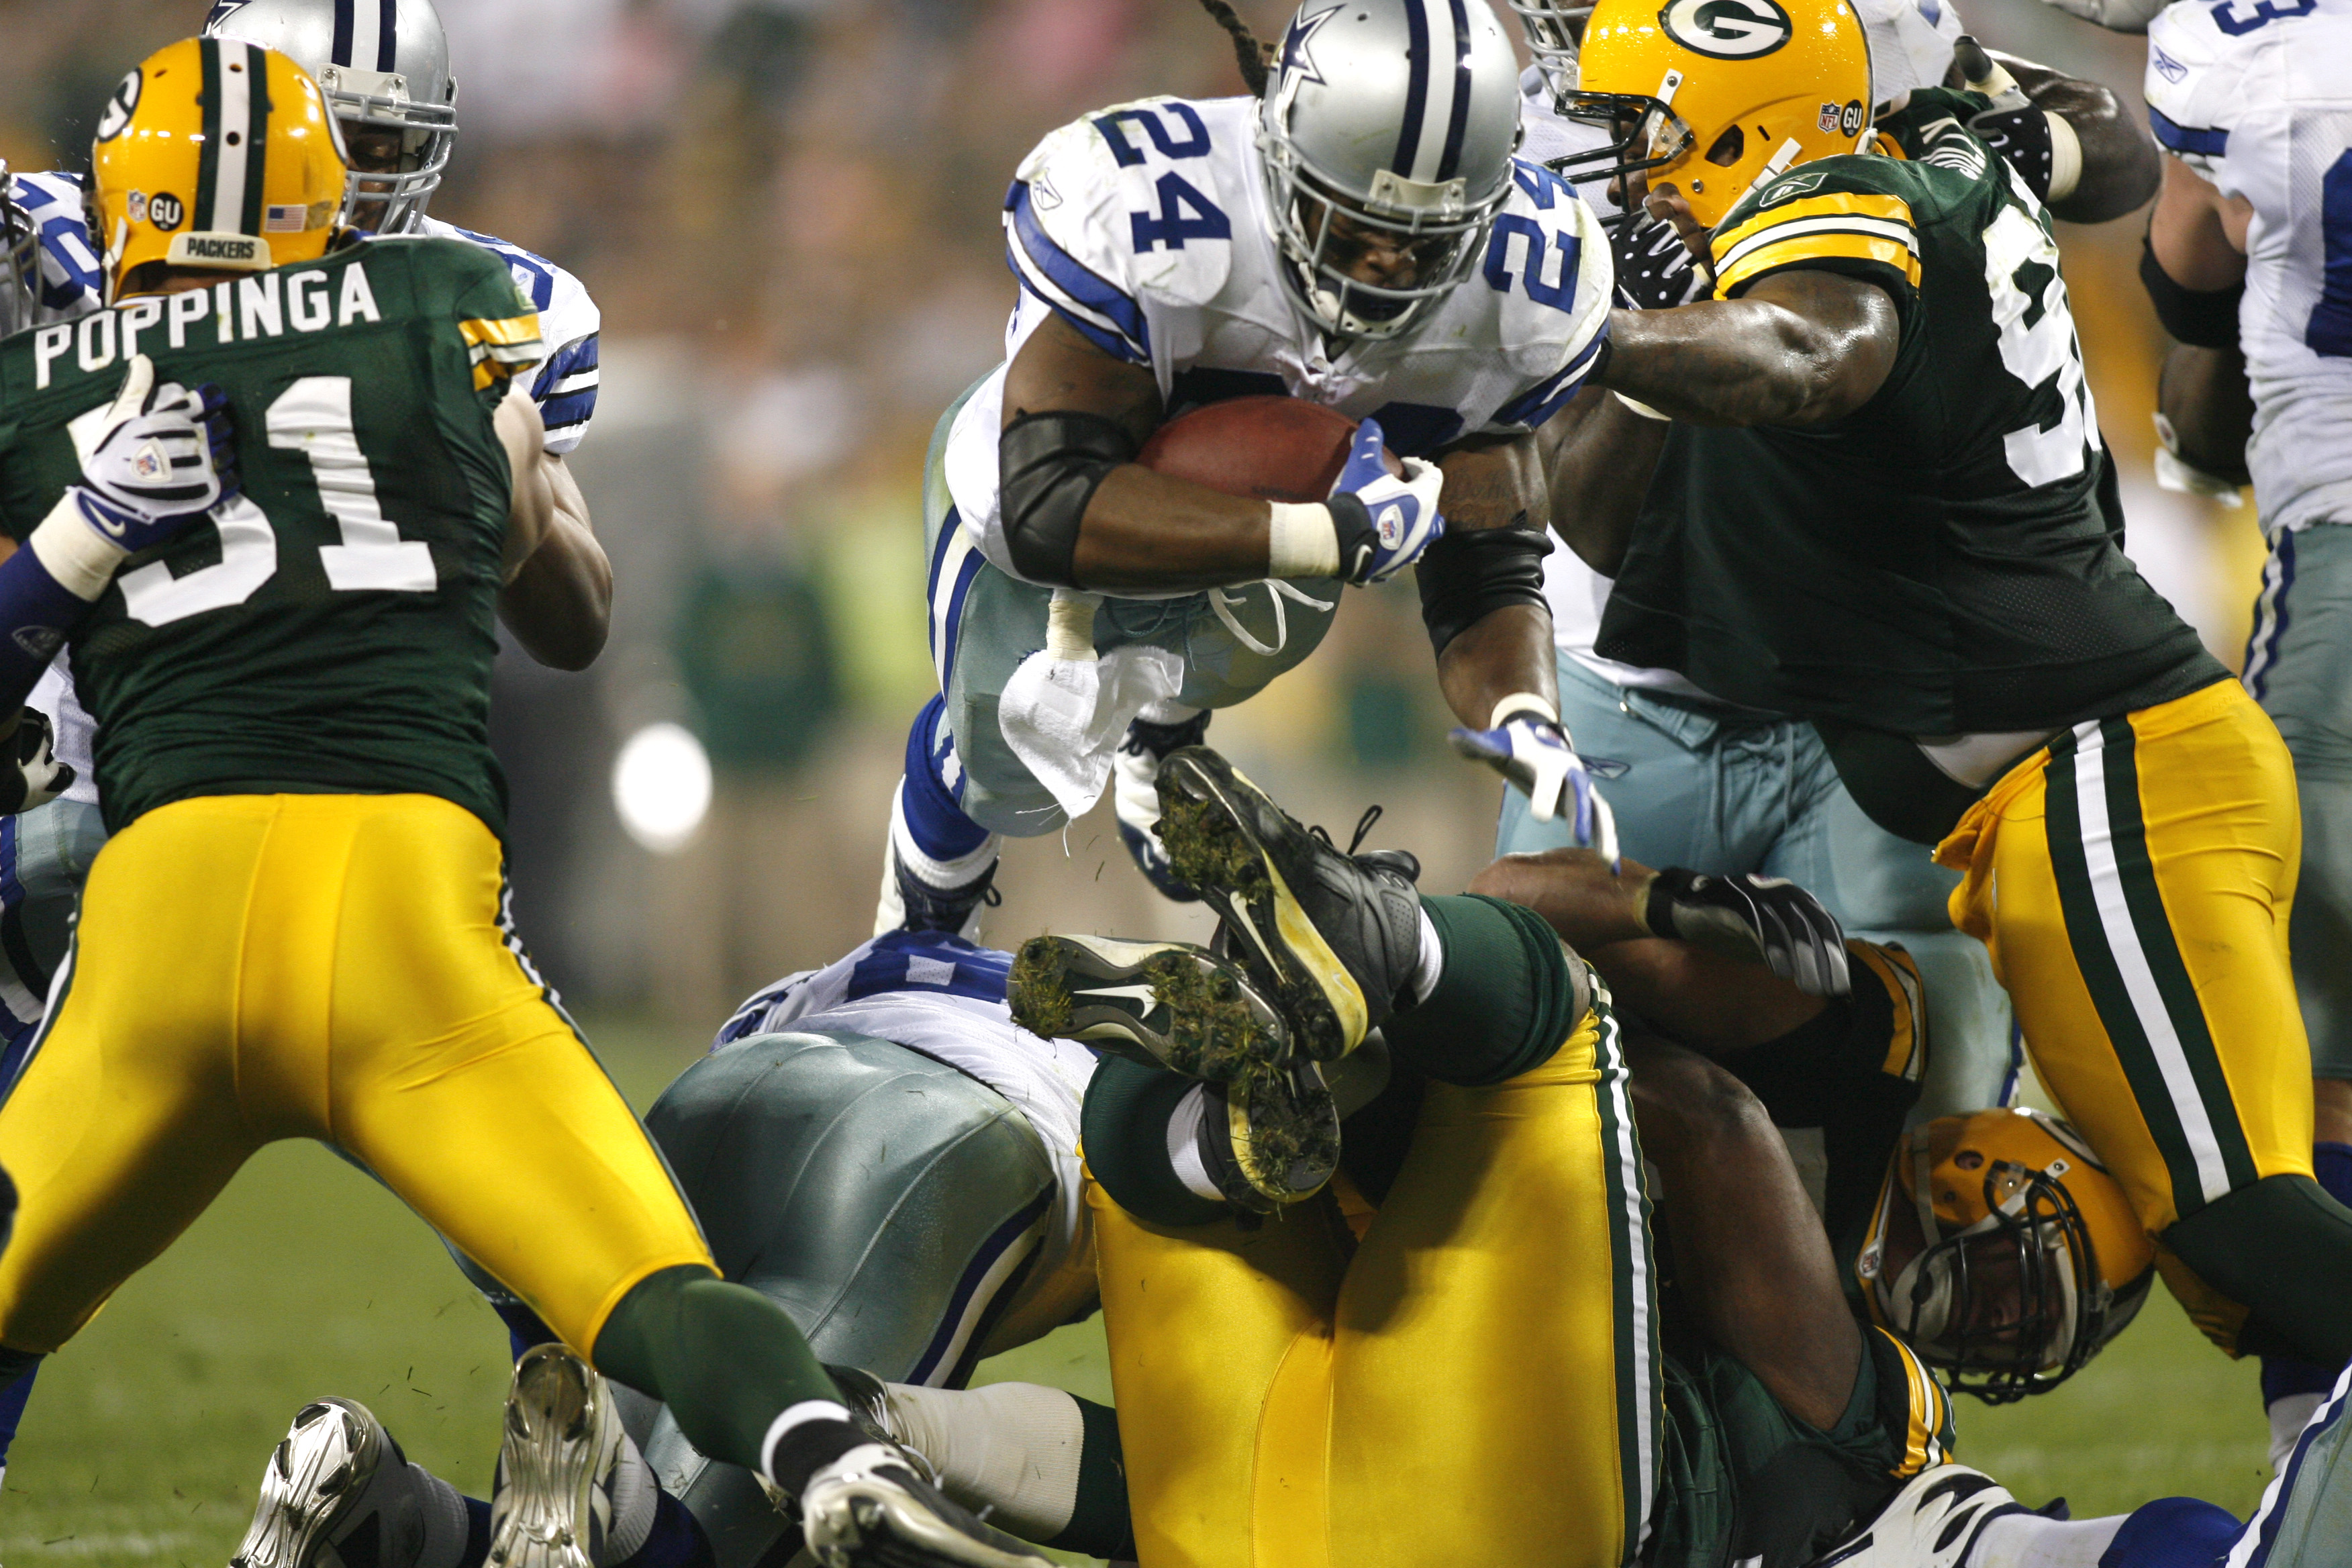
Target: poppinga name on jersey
(265, 305)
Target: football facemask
(20, 260)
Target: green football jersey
(330, 630)
(1947, 559)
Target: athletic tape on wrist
(1522, 702)
(1301, 541)
(2065, 157)
(72, 551)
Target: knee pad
(2282, 1250)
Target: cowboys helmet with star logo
(1719, 97)
(1386, 135)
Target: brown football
(1276, 448)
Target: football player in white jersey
(383, 65)
(1359, 236)
(2250, 268)
(880, 1150)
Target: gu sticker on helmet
(119, 109)
(1849, 116)
(164, 211)
(1727, 29)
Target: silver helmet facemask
(1554, 28)
(2032, 1243)
(1335, 160)
(383, 69)
(20, 260)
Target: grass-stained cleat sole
(1166, 1003)
(318, 1477)
(1285, 1135)
(559, 1441)
(867, 1509)
(1335, 937)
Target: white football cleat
(1135, 795)
(869, 1509)
(335, 1474)
(1935, 1521)
(563, 1442)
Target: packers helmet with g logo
(218, 153)
(2028, 1257)
(1719, 96)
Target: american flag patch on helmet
(292, 219)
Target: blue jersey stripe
(1547, 399)
(2197, 138)
(1459, 122)
(572, 409)
(1416, 91)
(964, 575)
(1082, 285)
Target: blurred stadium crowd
(788, 212)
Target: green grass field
(146, 1436)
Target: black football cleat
(1334, 938)
(1271, 1137)
(1164, 1003)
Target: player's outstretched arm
(1800, 347)
(558, 597)
(2116, 168)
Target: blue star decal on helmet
(1294, 57)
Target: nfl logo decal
(1829, 118)
(137, 207)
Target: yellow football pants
(1285, 1405)
(256, 967)
(2133, 881)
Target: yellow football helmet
(214, 152)
(1720, 95)
(2030, 1258)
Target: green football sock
(1506, 998)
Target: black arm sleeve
(1049, 466)
(2205, 320)
(1463, 575)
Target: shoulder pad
(1133, 202)
(2195, 85)
(568, 323)
(1851, 213)
(1548, 278)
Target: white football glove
(1535, 754)
(164, 457)
(1384, 520)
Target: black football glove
(1655, 269)
(37, 777)
(1759, 919)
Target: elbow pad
(2204, 321)
(1463, 575)
(1049, 466)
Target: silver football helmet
(1386, 135)
(384, 66)
(1554, 28)
(20, 259)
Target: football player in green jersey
(290, 677)
(1883, 504)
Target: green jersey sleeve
(499, 327)
(1851, 213)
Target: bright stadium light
(661, 786)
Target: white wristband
(71, 551)
(1301, 541)
(2065, 157)
(1522, 702)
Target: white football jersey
(565, 389)
(1145, 226)
(943, 997)
(2256, 95)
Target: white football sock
(1432, 960)
(1012, 1447)
(635, 1498)
(2289, 1416)
(2030, 1541)
(939, 874)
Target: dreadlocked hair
(1249, 52)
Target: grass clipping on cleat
(1040, 990)
(1289, 1136)
(1214, 1033)
(1205, 850)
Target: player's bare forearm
(1599, 456)
(1802, 347)
(560, 605)
(2197, 234)
(2121, 167)
(1506, 651)
(530, 508)
(1578, 896)
(1141, 530)
(2204, 394)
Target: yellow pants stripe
(255, 967)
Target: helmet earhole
(1728, 148)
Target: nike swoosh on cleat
(1135, 992)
